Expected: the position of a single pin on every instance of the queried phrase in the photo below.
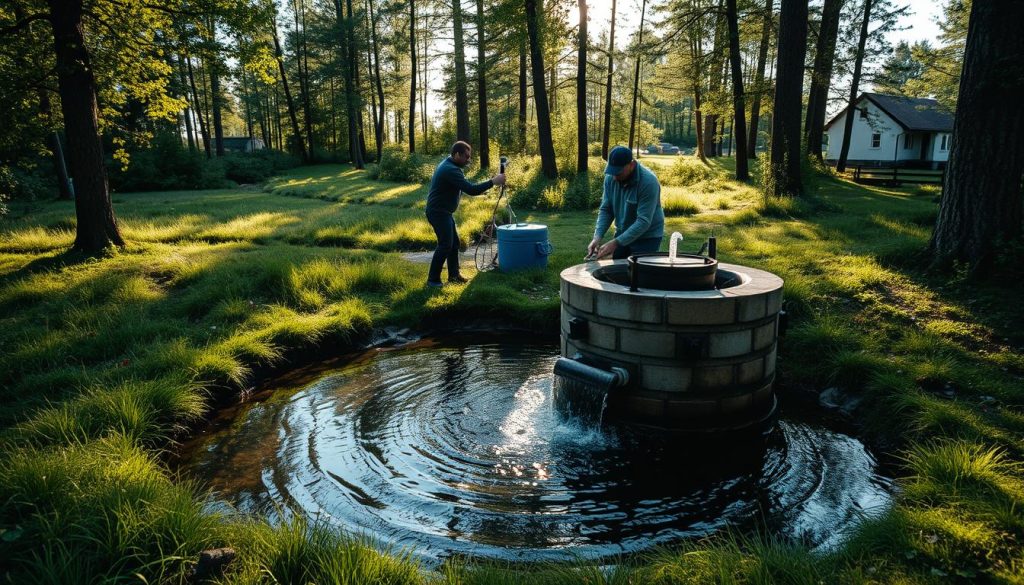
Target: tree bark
(412, 80)
(981, 205)
(348, 59)
(461, 101)
(216, 97)
(379, 124)
(636, 74)
(581, 92)
(204, 129)
(540, 99)
(821, 77)
(785, 157)
(484, 148)
(96, 227)
(606, 131)
(522, 93)
(739, 128)
(189, 131)
(844, 150)
(299, 142)
(759, 90)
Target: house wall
(914, 153)
(937, 153)
(860, 136)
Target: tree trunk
(540, 99)
(481, 87)
(844, 150)
(522, 93)
(356, 97)
(379, 124)
(759, 89)
(821, 77)
(581, 92)
(189, 131)
(412, 80)
(461, 101)
(299, 142)
(96, 227)
(216, 97)
(606, 131)
(204, 129)
(348, 61)
(636, 73)
(739, 128)
(786, 154)
(981, 205)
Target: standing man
(446, 187)
(632, 199)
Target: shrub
(686, 171)
(401, 167)
(21, 184)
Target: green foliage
(399, 165)
(167, 165)
(19, 184)
(686, 172)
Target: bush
(401, 167)
(258, 166)
(168, 165)
(21, 184)
(687, 171)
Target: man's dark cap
(618, 158)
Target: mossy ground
(104, 360)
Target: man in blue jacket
(632, 199)
(446, 187)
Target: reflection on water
(456, 450)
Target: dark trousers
(447, 245)
(641, 246)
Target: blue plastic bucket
(522, 246)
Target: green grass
(105, 362)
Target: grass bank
(106, 360)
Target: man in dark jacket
(446, 187)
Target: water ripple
(456, 450)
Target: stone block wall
(696, 358)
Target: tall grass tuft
(106, 511)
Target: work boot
(457, 279)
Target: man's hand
(592, 249)
(498, 179)
(607, 250)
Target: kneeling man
(632, 199)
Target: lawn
(105, 361)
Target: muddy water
(455, 450)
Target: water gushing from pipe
(673, 246)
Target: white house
(891, 130)
(242, 144)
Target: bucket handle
(544, 248)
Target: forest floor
(104, 361)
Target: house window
(908, 141)
(876, 140)
(863, 113)
(945, 142)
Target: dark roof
(918, 114)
